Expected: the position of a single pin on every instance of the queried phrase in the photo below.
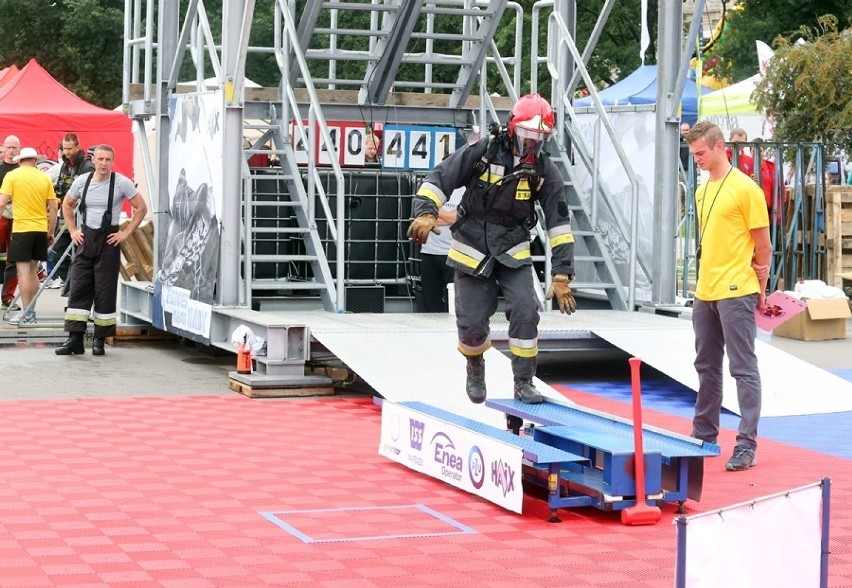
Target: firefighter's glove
(419, 229)
(560, 289)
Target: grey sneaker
(24, 321)
(742, 459)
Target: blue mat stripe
(826, 433)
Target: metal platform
(669, 444)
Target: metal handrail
(283, 13)
(565, 38)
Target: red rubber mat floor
(228, 491)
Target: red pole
(641, 513)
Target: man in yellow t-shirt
(733, 254)
(35, 208)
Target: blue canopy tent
(640, 87)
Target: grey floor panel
(790, 386)
(425, 345)
(425, 367)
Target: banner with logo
(462, 458)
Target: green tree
(90, 61)
(78, 41)
(616, 53)
(762, 20)
(807, 87)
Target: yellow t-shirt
(728, 210)
(30, 189)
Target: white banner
(773, 542)
(190, 258)
(475, 463)
(637, 134)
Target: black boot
(72, 345)
(523, 368)
(475, 386)
(98, 346)
(526, 392)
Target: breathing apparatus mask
(528, 144)
(530, 126)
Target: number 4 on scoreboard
(395, 147)
(417, 148)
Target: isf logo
(416, 433)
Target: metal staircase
(275, 196)
(400, 33)
(594, 267)
(397, 35)
(412, 62)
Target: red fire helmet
(530, 124)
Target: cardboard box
(823, 319)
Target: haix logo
(445, 454)
(476, 467)
(416, 433)
(503, 476)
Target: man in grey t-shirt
(94, 272)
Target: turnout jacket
(496, 214)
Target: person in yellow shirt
(35, 207)
(733, 254)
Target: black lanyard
(709, 212)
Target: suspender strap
(107, 220)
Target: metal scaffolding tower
(292, 233)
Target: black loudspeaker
(365, 299)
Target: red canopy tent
(40, 111)
(7, 73)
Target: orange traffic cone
(244, 357)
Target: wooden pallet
(137, 253)
(838, 229)
(287, 392)
(132, 335)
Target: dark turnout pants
(476, 302)
(94, 280)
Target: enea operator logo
(445, 454)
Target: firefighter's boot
(98, 346)
(475, 385)
(526, 392)
(523, 369)
(73, 345)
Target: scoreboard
(416, 147)
(403, 147)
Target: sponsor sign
(462, 458)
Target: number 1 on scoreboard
(445, 144)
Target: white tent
(732, 107)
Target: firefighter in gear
(94, 271)
(505, 175)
